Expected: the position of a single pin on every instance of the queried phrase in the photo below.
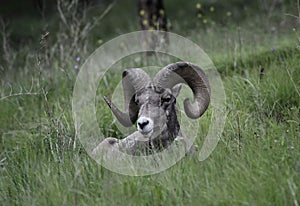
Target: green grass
(257, 160)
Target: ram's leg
(108, 143)
(130, 144)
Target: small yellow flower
(205, 21)
(169, 25)
(145, 22)
(154, 17)
(228, 13)
(142, 12)
(212, 9)
(122, 45)
(198, 6)
(100, 41)
(151, 28)
(199, 15)
(161, 11)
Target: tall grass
(257, 161)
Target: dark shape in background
(152, 15)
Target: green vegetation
(257, 160)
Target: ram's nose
(144, 125)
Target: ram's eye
(166, 99)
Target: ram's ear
(176, 90)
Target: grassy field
(257, 160)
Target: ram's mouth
(146, 132)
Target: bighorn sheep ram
(151, 104)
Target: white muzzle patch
(144, 125)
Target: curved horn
(133, 80)
(194, 77)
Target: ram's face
(154, 104)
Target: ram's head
(150, 103)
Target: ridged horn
(133, 80)
(194, 77)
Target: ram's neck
(173, 126)
(168, 134)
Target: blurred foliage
(27, 19)
(28, 22)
